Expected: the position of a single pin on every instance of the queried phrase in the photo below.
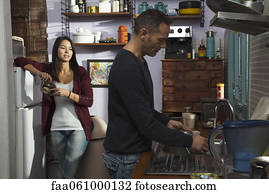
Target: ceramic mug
(75, 9)
(97, 36)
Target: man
(132, 121)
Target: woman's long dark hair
(56, 65)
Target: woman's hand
(60, 92)
(63, 92)
(45, 76)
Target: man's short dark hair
(151, 20)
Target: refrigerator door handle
(30, 106)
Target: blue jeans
(68, 147)
(120, 166)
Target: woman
(65, 114)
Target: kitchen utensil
(161, 7)
(97, 36)
(189, 7)
(189, 120)
(172, 12)
(47, 86)
(179, 42)
(74, 9)
(71, 3)
(83, 36)
(144, 6)
(260, 167)
(244, 139)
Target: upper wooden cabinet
(186, 82)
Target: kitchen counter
(145, 160)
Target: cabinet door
(238, 73)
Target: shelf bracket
(64, 18)
(202, 22)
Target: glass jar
(202, 50)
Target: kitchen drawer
(196, 75)
(195, 85)
(191, 96)
(214, 66)
(169, 66)
(214, 74)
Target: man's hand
(199, 143)
(173, 124)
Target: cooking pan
(189, 7)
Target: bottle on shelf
(116, 6)
(210, 43)
(72, 3)
(121, 5)
(125, 5)
(81, 6)
(85, 6)
(202, 50)
(218, 49)
(123, 34)
(105, 6)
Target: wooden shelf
(99, 44)
(185, 17)
(196, 16)
(188, 60)
(118, 14)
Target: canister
(93, 9)
(220, 91)
(122, 34)
(210, 44)
(188, 55)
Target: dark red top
(81, 86)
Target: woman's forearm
(73, 96)
(32, 69)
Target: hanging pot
(189, 7)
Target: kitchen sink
(181, 161)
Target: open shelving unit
(178, 17)
(99, 44)
(115, 14)
(66, 15)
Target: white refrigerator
(30, 144)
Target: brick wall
(29, 21)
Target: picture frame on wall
(98, 70)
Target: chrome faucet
(224, 100)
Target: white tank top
(65, 117)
